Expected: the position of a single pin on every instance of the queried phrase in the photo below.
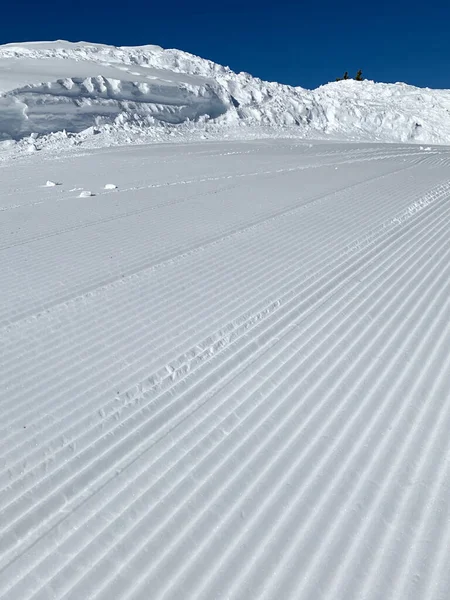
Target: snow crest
(51, 87)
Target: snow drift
(48, 87)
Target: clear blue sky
(296, 42)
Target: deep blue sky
(296, 42)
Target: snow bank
(48, 87)
(74, 104)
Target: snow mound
(50, 87)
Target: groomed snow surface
(75, 92)
(225, 372)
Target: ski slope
(225, 372)
(70, 93)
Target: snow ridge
(48, 87)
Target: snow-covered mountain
(48, 87)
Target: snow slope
(48, 87)
(225, 373)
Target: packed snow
(230, 378)
(87, 89)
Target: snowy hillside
(48, 87)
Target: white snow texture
(50, 87)
(230, 377)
